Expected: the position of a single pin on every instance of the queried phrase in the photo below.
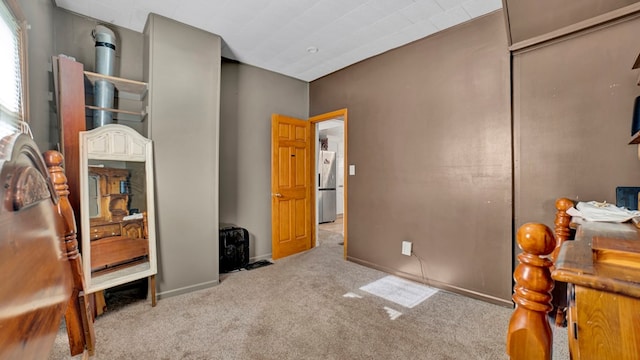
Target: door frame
(341, 113)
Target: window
(13, 76)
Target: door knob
(277, 195)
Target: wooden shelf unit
(127, 89)
(137, 88)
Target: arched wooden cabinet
(117, 207)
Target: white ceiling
(275, 34)
(334, 127)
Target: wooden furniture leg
(100, 303)
(79, 321)
(529, 335)
(152, 287)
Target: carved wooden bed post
(563, 233)
(529, 335)
(561, 224)
(78, 316)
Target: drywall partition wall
(573, 104)
(40, 39)
(182, 66)
(430, 135)
(530, 19)
(248, 97)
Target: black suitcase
(234, 248)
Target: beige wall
(183, 71)
(40, 38)
(430, 135)
(248, 97)
(573, 103)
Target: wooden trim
(343, 113)
(328, 116)
(345, 181)
(312, 182)
(607, 19)
(275, 216)
(505, 12)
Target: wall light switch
(352, 169)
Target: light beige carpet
(297, 309)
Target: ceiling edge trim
(506, 22)
(597, 22)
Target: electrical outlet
(406, 248)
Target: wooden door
(290, 186)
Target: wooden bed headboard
(40, 267)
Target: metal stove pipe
(103, 90)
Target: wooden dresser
(602, 270)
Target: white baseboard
(261, 257)
(187, 289)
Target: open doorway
(330, 180)
(294, 183)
